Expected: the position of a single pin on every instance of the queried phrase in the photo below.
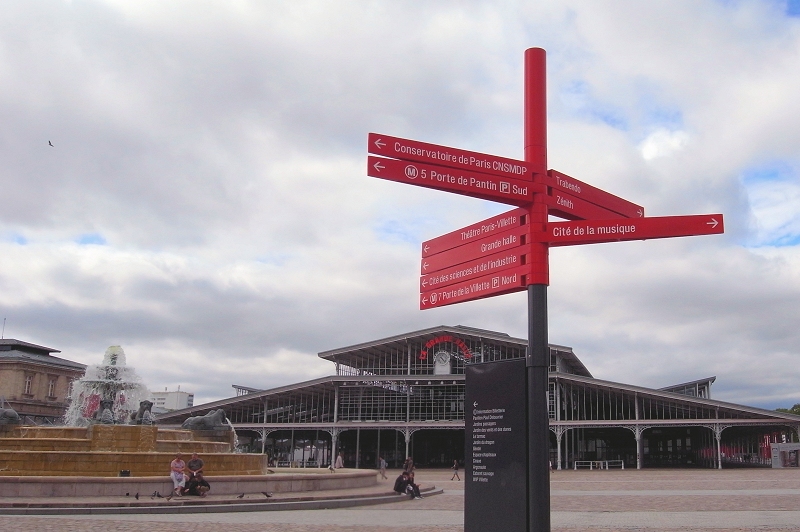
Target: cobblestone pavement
(597, 501)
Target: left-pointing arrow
(378, 166)
(379, 143)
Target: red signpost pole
(538, 348)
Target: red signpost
(509, 252)
(476, 185)
(594, 232)
(462, 272)
(590, 194)
(567, 206)
(503, 282)
(470, 233)
(477, 249)
(423, 152)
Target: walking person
(408, 465)
(455, 470)
(382, 467)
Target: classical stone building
(404, 395)
(34, 382)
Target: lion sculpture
(9, 416)
(214, 420)
(143, 416)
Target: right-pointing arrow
(713, 223)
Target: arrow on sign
(458, 181)
(475, 250)
(597, 231)
(470, 233)
(594, 195)
(469, 270)
(503, 282)
(423, 152)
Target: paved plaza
(664, 500)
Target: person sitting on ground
(195, 465)
(401, 483)
(197, 485)
(413, 488)
(177, 474)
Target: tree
(794, 410)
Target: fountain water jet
(112, 383)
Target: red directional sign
(504, 282)
(474, 250)
(596, 231)
(568, 206)
(412, 150)
(485, 186)
(470, 233)
(497, 262)
(594, 195)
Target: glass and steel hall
(404, 396)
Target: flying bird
(50, 143)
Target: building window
(51, 387)
(28, 384)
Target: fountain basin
(19, 486)
(105, 450)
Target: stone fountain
(109, 393)
(109, 436)
(109, 431)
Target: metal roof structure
(394, 383)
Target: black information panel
(496, 449)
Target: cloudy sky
(205, 203)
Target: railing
(598, 464)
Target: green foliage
(794, 410)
